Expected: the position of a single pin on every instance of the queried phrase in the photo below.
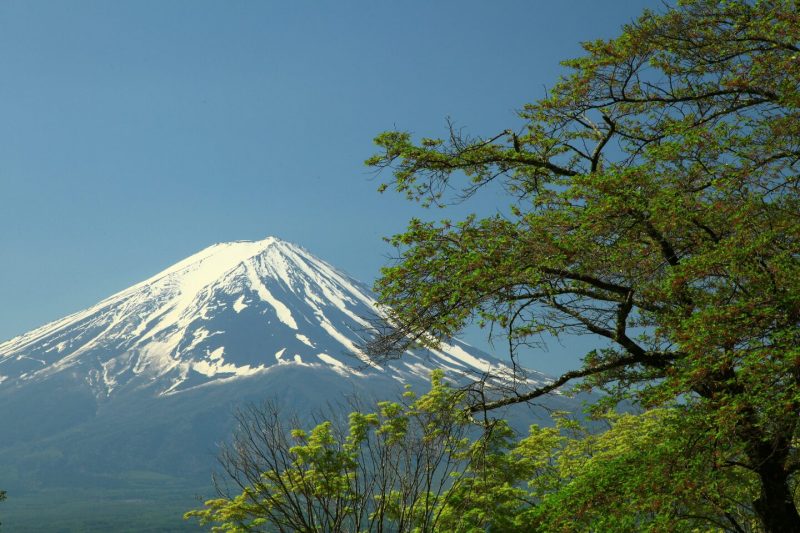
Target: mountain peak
(146, 380)
(213, 262)
(232, 310)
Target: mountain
(230, 312)
(135, 391)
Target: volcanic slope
(232, 311)
(146, 380)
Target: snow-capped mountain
(230, 312)
(135, 392)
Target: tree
(386, 471)
(654, 204)
(419, 465)
(567, 479)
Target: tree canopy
(653, 203)
(419, 465)
(387, 470)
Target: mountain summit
(134, 392)
(232, 311)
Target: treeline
(420, 465)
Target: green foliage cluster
(386, 471)
(654, 203)
(644, 473)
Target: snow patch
(336, 365)
(459, 353)
(330, 360)
(305, 340)
(199, 335)
(419, 370)
(239, 304)
(58, 347)
(216, 354)
(212, 368)
(347, 343)
(284, 315)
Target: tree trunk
(775, 506)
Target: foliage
(654, 203)
(387, 471)
(411, 466)
(566, 479)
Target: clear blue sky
(135, 133)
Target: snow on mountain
(135, 392)
(230, 312)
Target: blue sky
(133, 134)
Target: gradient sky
(133, 134)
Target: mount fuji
(232, 311)
(138, 388)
